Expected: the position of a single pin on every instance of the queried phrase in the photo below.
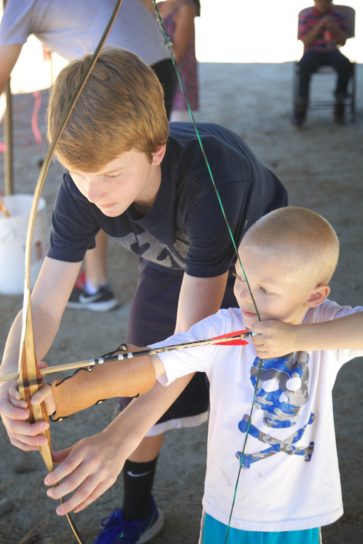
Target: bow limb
(29, 375)
(29, 380)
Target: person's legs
(96, 261)
(343, 67)
(309, 63)
(95, 294)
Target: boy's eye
(263, 290)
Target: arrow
(235, 338)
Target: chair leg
(353, 97)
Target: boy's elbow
(158, 367)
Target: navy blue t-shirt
(184, 229)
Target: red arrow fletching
(236, 338)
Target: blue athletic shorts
(215, 532)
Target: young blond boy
(289, 485)
(148, 187)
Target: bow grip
(86, 387)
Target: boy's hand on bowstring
(274, 338)
(86, 470)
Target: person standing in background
(178, 17)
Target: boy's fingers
(14, 413)
(29, 429)
(41, 395)
(44, 394)
(67, 467)
(59, 456)
(87, 493)
(18, 403)
(21, 445)
(13, 391)
(99, 490)
(73, 482)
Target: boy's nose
(243, 292)
(93, 190)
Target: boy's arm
(184, 30)
(275, 338)
(199, 297)
(125, 378)
(48, 306)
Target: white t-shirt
(73, 28)
(290, 480)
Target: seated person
(322, 28)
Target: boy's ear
(318, 295)
(158, 155)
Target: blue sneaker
(117, 530)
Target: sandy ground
(321, 166)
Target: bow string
(169, 45)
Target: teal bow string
(169, 45)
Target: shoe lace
(116, 530)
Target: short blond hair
(121, 107)
(298, 238)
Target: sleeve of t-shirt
(330, 310)
(16, 23)
(303, 25)
(211, 251)
(74, 226)
(180, 362)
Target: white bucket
(13, 231)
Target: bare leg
(148, 449)
(95, 295)
(96, 261)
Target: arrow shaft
(120, 356)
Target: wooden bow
(29, 375)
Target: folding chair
(350, 100)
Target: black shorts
(152, 318)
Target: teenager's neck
(147, 197)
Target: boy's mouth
(249, 314)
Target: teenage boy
(151, 191)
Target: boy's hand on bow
(274, 338)
(14, 413)
(86, 470)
